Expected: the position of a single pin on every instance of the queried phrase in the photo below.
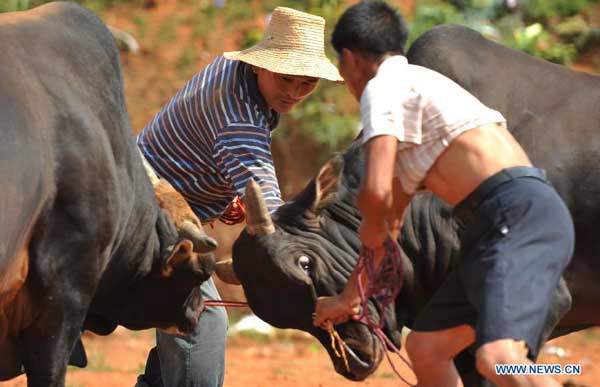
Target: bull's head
(190, 260)
(307, 249)
(167, 296)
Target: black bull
(83, 241)
(554, 114)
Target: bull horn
(258, 220)
(224, 270)
(202, 242)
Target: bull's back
(550, 109)
(553, 112)
(66, 55)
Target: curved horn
(258, 220)
(202, 242)
(224, 270)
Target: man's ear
(350, 58)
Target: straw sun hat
(293, 44)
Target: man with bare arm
(423, 131)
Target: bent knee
(424, 348)
(504, 351)
(419, 342)
(438, 345)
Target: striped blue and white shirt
(213, 136)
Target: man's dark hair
(372, 28)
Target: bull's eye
(304, 264)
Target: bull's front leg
(10, 360)
(48, 343)
(64, 275)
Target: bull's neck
(138, 253)
(166, 236)
(155, 244)
(146, 236)
(428, 238)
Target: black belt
(463, 211)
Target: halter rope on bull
(382, 288)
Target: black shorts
(516, 239)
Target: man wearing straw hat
(209, 140)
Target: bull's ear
(326, 182)
(180, 254)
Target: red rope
(382, 288)
(233, 304)
(234, 213)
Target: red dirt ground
(292, 360)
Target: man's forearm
(375, 196)
(350, 294)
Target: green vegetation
(166, 31)
(257, 337)
(556, 30)
(187, 61)
(141, 25)
(96, 5)
(591, 335)
(19, 5)
(203, 26)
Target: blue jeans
(195, 360)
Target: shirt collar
(391, 63)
